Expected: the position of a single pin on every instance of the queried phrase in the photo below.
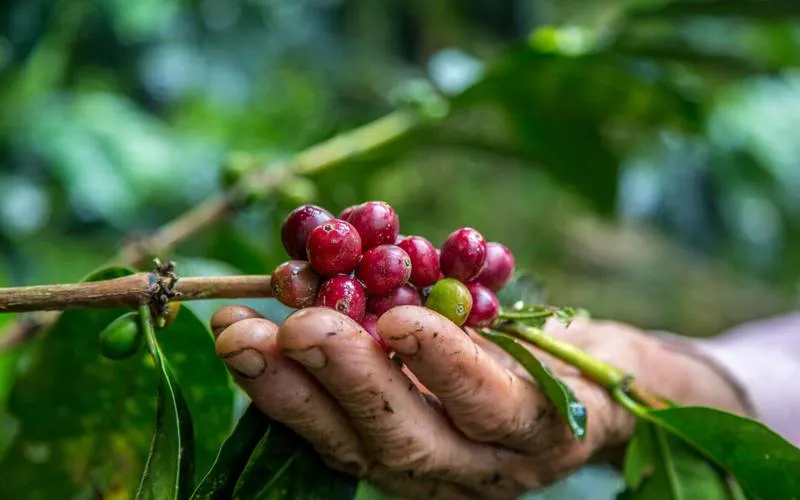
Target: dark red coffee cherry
(298, 225)
(295, 284)
(376, 222)
(370, 324)
(424, 260)
(463, 254)
(499, 267)
(485, 306)
(334, 248)
(384, 269)
(344, 294)
(403, 296)
(345, 214)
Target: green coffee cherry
(122, 337)
(450, 298)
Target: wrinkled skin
(461, 420)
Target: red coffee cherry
(345, 295)
(345, 214)
(298, 225)
(485, 306)
(499, 267)
(377, 223)
(384, 268)
(424, 260)
(370, 324)
(334, 248)
(463, 254)
(295, 284)
(403, 296)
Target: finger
(228, 315)
(397, 426)
(485, 400)
(284, 391)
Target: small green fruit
(450, 298)
(122, 337)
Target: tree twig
(129, 291)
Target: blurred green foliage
(639, 156)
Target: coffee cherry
(450, 298)
(384, 268)
(344, 294)
(122, 337)
(424, 260)
(376, 222)
(463, 254)
(485, 306)
(499, 267)
(298, 225)
(295, 284)
(334, 248)
(370, 324)
(403, 296)
(345, 214)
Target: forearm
(762, 359)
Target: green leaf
(285, 466)
(572, 410)
(233, 456)
(561, 125)
(170, 464)
(661, 466)
(84, 421)
(764, 463)
(639, 455)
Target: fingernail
(247, 362)
(407, 344)
(312, 357)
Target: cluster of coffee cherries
(360, 265)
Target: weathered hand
(462, 419)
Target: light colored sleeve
(762, 359)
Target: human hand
(461, 419)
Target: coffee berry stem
(614, 380)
